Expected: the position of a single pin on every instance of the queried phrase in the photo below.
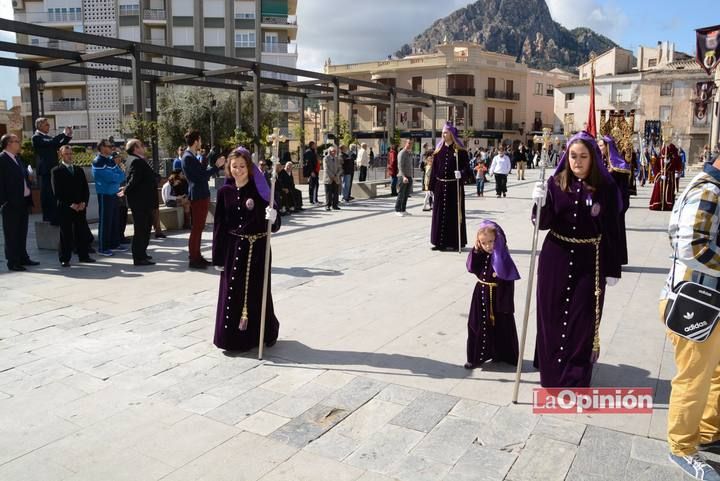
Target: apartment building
(659, 83)
(96, 106)
(507, 102)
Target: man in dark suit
(310, 161)
(142, 198)
(197, 176)
(72, 194)
(15, 199)
(46, 155)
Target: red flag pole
(591, 125)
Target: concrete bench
(171, 218)
(368, 189)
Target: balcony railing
(501, 126)
(74, 16)
(154, 14)
(277, 20)
(56, 44)
(502, 95)
(462, 92)
(59, 105)
(244, 16)
(272, 47)
(129, 10)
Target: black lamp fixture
(41, 88)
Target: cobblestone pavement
(107, 371)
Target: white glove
(270, 214)
(677, 175)
(30, 170)
(611, 281)
(219, 268)
(662, 177)
(458, 174)
(539, 193)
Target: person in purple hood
(491, 323)
(447, 172)
(622, 175)
(238, 250)
(580, 205)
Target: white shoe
(399, 214)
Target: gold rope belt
(251, 238)
(448, 180)
(490, 285)
(595, 241)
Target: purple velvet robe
(487, 338)
(444, 230)
(566, 280)
(622, 180)
(241, 211)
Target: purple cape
(262, 187)
(449, 127)
(502, 263)
(616, 160)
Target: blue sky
(351, 23)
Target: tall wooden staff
(459, 216)
(275, 138)
(545, 139)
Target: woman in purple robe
(491, 323)
(622, 175)
(239, 241)
(580, 207)
(447, 173)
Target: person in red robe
(666, 179)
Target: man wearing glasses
(15, 199)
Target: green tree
(466, 135)
(137, 127)
(395, 139)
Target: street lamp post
(213, 104)
(41, 89)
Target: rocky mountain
(521, 28)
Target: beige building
(660, 84)
(507, 102)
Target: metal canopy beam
(82, 58)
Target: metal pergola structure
(128, 60)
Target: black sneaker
(144, 262)
(197, 265)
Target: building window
(537, 122)
(461, 84)
(417, 84)
(381, 118)
(652, 62)
(245, 39)
(665, 113)
(666, 89)
(129, 9)
(539, 88)
(470, 115)
(354, 118)
(550, 90)
(570, 97)
(390, 82)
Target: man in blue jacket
(107, 169)
(46, 155)
(199, 193)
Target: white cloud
(348, 31)
(605, 18)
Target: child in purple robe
(491, 323)
(239, 239)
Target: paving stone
(414, 468)
(289, 378)
(474, 410)
(641, 471)
(368, 419)
(300, 400)
(184, 441)
(33, 467)
(354, 394)
(650, 451)
(370, 476)
(398, 394)
(333, 445)
(543, 458)
(262, 423)
(310, 425)
(425, 411)
(603, 453)
(246, 457)
(482, 464)
(306, 466)
(508, 429)
(123, 466)
(243, 406)
(201, 403)
(448, 441)
(334, 379)
(559, 430)
(385, 449)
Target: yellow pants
(694, 412)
